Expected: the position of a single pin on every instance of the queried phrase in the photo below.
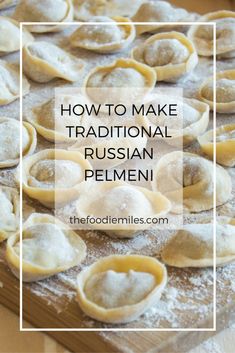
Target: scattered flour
(187, 299)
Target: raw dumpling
(120, 199)
(159, 11)
(225, 92)
(120, 288)
(202, 35)
(85, 9)
(9, 28)
(122, 81)
(170, 54)
(44, 11)
(48, 247)
(54, 177)
(10, 141)
(192, 246)
(10, 83)
(186, 179)
(191, 121)
(44, 61)
(48, 122)
(225, 144)
(102, 38)
(9, 212)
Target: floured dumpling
(102, 38)
(159, 11)
(44, 11)
(225, 92)
(191, 120)
(192, 246)
(9, 212)
(10, 141)
(119, 200)
(85, 9)
(9, 28)
(98, 287)
(170, 54)
(120, 288)
(49, 123)
(54, 177)
(10, 82)
(228, 133)
(225, 144)
(48, 247)
(48, 173)
(202, 35)
(44, 61)
(4, 4)
(122, 81)
(186, 179)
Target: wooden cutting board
(60, 312)
(205, 6)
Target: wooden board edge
(93, 342)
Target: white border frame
(213, 329)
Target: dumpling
(9, 28)
(44, 61)
(48, 123)
(202, 35)
(44, 11)
(225, 144)
(4, 4)
(101, 38)
(191, 121)
(85, 9)
(120, 288)
(48, 247)
(192, 246)
(54, 176)
(9, 212)
(171, 54)
(10, 141)
(186, 179)
(225, 92)
(122, 81)
(159, 11)
(119, 199)
(10, 83)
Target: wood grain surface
(205, 6)
(39, 314)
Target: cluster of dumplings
(55, 177)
